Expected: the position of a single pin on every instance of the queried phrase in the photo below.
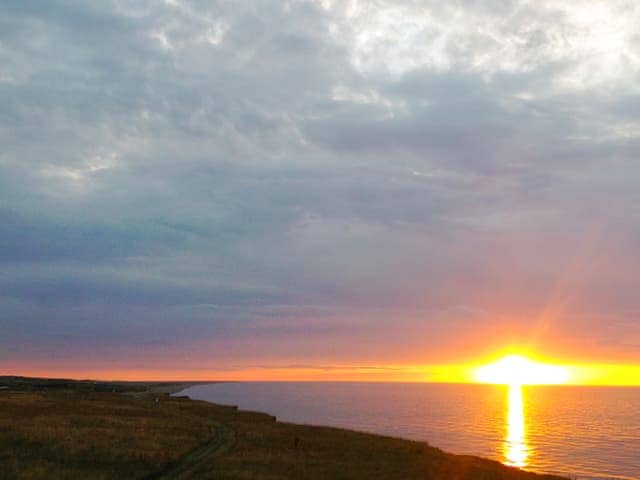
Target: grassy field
(86, 431)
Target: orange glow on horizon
(490, 372)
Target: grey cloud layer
(286, 156)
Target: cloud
(337, 165)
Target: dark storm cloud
(326, 164)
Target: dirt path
(223, 438)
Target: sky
(316, 189)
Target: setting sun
(519, 370)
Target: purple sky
(228, 185)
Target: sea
(585, 433)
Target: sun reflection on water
(516, 450)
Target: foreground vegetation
(86, 431)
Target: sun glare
(516, 450)
(519, 370)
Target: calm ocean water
(584, 432)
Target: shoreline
(85, 430)
(572, 475)
(180, 394)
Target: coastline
(567, 470)
(82, 431)
(182, 394)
